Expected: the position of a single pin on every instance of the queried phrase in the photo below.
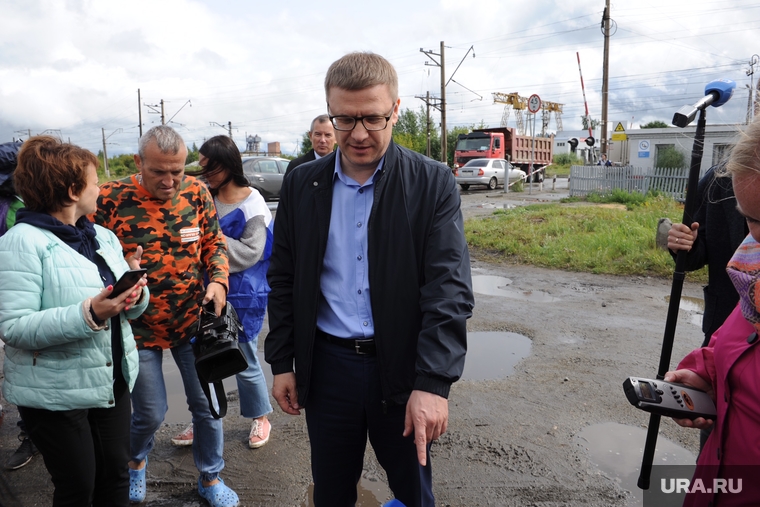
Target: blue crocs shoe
(218, 495)
(137, 486)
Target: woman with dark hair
(70, 356)
(247, 226)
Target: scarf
(80, 237)
(744, 271)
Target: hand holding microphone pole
(717, 93)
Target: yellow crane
(513, 101)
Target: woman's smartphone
(127, 281)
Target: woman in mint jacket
(70, 356)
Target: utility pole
(429, 101)
(139, 113)
(154, 109)
(427, 117)
(227, 127)
(105, 154)
(442, 108)
(163, 117)
(444, 145)
(751, 102)
(444, 83)
(605, 73)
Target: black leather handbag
(217, 352)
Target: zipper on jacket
(34, 358)
(385, 407)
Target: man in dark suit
(371, 218)
(322, 136)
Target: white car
(486, 171)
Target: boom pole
(583, 88)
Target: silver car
(486, 171)
(265, 175)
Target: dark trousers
(85, 451)
(344, 406)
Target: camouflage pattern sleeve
(213, 244)
(180, 238)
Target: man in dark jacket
(371, 290)
(322, 137)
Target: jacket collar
(322, 187)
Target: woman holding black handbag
(246, 223)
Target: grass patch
(617, 240)
(561, 164)
(517, 186)
(560, 170)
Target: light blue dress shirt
(345, 308)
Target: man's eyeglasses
(371, 123)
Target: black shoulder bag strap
(221, 398)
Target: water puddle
(494, 286)
(178, 412)
(371, 493)
(695, 307)
(494, 355)
(616, 450)
(490, 355)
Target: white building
(564, 139)
(643, 145)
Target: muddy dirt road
(512, 441)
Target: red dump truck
(505, 143)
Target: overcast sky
(74, 66)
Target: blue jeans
(149, 408)
(252, 387)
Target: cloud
(77, 65)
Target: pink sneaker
(184, 438)
(259, 433)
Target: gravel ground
(511, 441)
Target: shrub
(669, 157)
(566, 159)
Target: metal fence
(586, 179)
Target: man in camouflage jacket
(168, 220)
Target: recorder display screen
(646, 391)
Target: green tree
(411, 131)
(594, 123)
(192, 154)
(305, 144)
(118, 165)
(670, 157)
(656, 124)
